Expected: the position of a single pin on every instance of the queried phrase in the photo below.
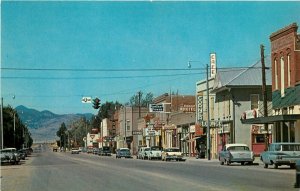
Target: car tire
(227, 162)
(242, 163)
(266, 165)
(276, 166)
(221, 163)
(292, 166)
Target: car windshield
(106, 148)
(291, 147)
(172, 150)
(155, 148)
(238, 148)
(147, 149)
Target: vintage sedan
(154, 153)
(74, 151)
(281, 154)
(236, 153)
(10, 155)
(172, 154)
(123, 152)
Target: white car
(154, 153)
(75, 151)
(236, 153)
(143, 153)
(172, 154)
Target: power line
(100, 70)
(99, 77)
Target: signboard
(156, 108)
(188, 108)
(213, 64)
(137, 132)
(86, 100)
(200, 108)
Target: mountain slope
(43, 125)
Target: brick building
(285, 56)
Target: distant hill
(43, 125)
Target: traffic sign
(86, 100)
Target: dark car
(22, 153)
(105, 151)
(123, 152)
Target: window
(254, 101)
(282, 76)
(276, 74)
(289, 70)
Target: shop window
(285, 132)
(254, 101)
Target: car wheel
(221, 163)
(227, 162)
(266, 165)
(276, 166)
(292, 166)
(242, 163)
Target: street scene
(147, 95)
(47, 170)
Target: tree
(61, 133)
(144, 100)
(15, 133)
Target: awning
(185, 138)
(271, 119)
(195, 138)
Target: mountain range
(43, 125)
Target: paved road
(63, 171)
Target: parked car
(105, 151)
(123, 152)
(95, 151)
(172, 154)
(236, 153)
(154, 153)
(10, 155)
(281, 154)
(74, 151)
(140, 150)
(55, 149)
(90, 150)
(22, 154)
(144, 153)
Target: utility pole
(1, 123)
(208, 116)
(264, 93)
(140, 95)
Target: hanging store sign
(213, 64)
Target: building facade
(285, 57)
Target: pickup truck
(281, 154)
(236, 153)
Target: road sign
(156, 107)
(86, 100)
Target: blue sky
(125, 35)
